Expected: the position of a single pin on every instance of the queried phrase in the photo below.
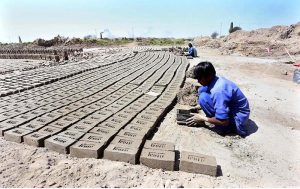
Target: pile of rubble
(275, 41)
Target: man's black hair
(204, 70)
(190, 44)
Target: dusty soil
(188, 94)
(269, 157)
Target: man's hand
(195, 109)
(196, 119)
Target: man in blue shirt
(222, 101)
(191, 51)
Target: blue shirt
(229, 102)
(192, 52)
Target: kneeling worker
(191, 51)
(222, 101)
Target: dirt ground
(269, 157)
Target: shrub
(236, 29)
(231, 27)
(214, 35)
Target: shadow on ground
(251, 128)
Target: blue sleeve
(220, 101)
(202, 89)
(190, 51)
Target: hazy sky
(33, 19)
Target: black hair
(190, 44)
(204, 70)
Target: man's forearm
(215, 121)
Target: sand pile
(190, 72)
(188, 95)
(261, 42)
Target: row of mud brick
(55, 58)
(43, 76)
(40, 54)
(69, 134)
(83, 82)
(126, 146)
(42, 51)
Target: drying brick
(198, 163)
(35, 139)
(59, 144)
(16, 134)
(159, 145)
(121, 153)
(158, 159)
(84, 149)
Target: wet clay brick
(121, 153)
(88, 122)
(5, 127)
(25, 117)
(100, 115)
(137, 128)
(86, 110)
(49, 130)
(127, 142)
(131, 134)
(11, 122)
(64, 122)
(84, 149)
(143, 123)
(111, 125)
(32, 127)
(71, 134)
(158, 159)
(35, 139)
(123, 116)
(42, 121)
(52, 116)
(16, 134)
(103, 131)
(90, 137)
(147, 117)
(115, 107)
(159, 145)
(133, 108)
(6, 115)
(78, 115)
(198, 163)
(59, 144)
(129, 112)
(80, 128)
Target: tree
(214, 35)
(233, 29)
